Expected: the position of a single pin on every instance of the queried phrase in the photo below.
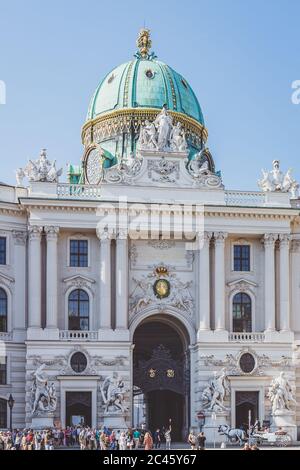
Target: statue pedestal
(42, 422)
(211, 426)
(285, 419)
(114, 421)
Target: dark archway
(246, 402)
(161, 375)
(78, 408)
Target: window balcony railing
(78, 335)
(247, 337)
(6, 336)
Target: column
(269, 243)
(19, 319)
(34, 277)
(295, 283)
(122, 280)
(204, 281)
(284, 281)
(51, 276)
(220, 280)
(105, 278)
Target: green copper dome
(144, 83)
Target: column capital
(122, 234)
(104, 234)
(35, 232)
(284, 239)
(204, 236)
(295, 246)
(52, 232)
(269, 239)
(220, 237)
(19, 237)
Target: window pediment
(242, 285)
(79, 282)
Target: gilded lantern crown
(144, 42)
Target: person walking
(148, 441)
(192, 440)
(201, 441)
(136, 438)
(122, 441)
(157, 439)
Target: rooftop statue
(162, 135)
(276, 180)
(39, 170)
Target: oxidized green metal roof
(144, 83)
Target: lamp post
(10, 403)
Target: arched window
(3, 413)
(78, 308)
(242, 313)
(3, 310)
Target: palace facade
(141, 289)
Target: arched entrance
(161, 375)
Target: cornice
(67, 205)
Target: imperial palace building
(141, 289)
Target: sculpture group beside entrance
(112, 392)
(281, 394)
(214, 394)
(162, 135)
(43, 393)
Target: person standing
(192, 440)
(148, 441)
(136, 438)
(201, 441)
(157, 439)
(168, 437)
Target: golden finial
(144, 42)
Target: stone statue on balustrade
(39, 170)
(43, 393)
(214, 394)
(276, 180)
(280, 394)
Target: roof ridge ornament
(144, 44)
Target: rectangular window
(3, 377)
(79, 253)
(2, 250)
(241, 257)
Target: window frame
(78, 316)
(4, 237)
(7, 310)
(5, 371)
(242, 242)
(78, 238)
(251, 312)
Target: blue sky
(240, 57)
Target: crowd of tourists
(85, 438)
